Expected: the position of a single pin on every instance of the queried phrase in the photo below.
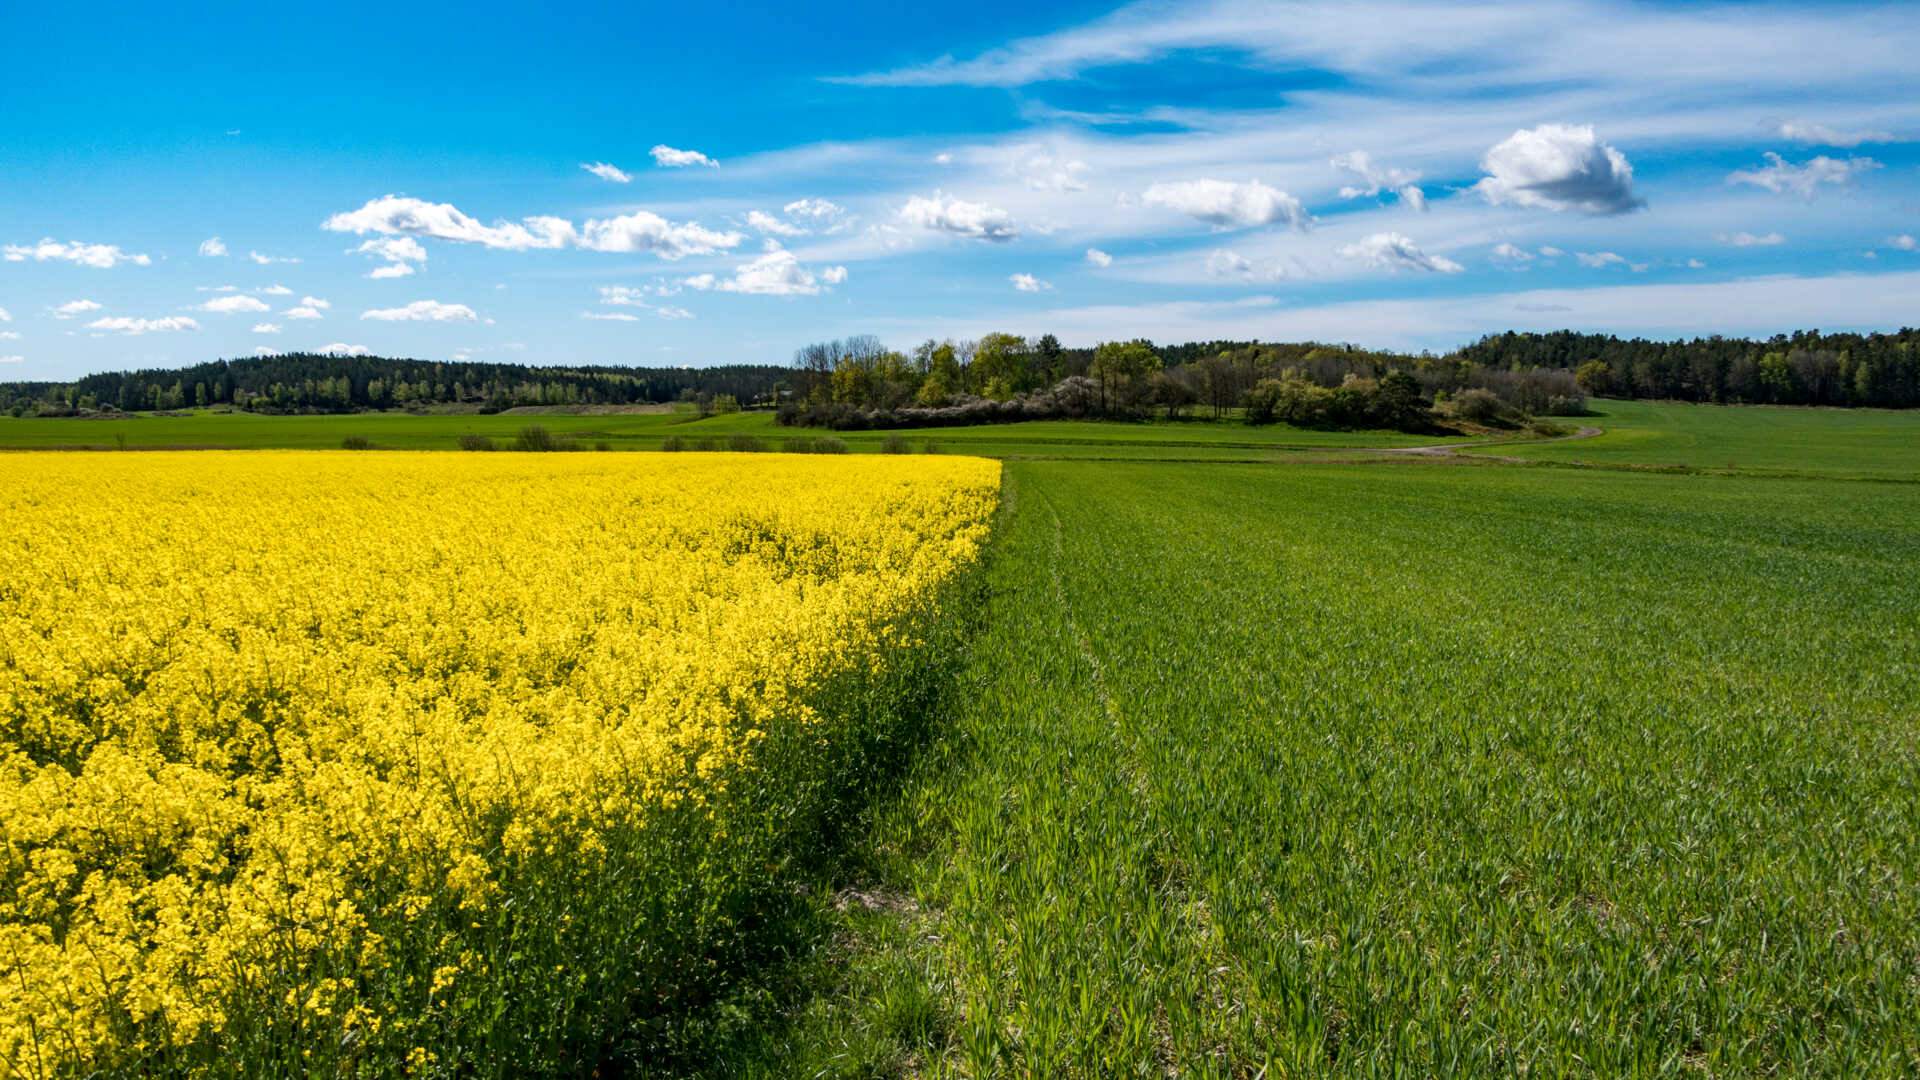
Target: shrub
(1477, 405)
(476, 442)
(356, 442)
(602, 445)
(745, 444)
(535, 438)
(895, 443)
(932, 447)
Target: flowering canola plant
(297, 749)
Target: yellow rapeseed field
(375, 756)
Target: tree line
(311, 383)
(858, 382)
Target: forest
(858, 382)
(326, 383)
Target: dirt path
(1453, 449)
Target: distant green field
(1757, 438)
(1203, 439)
(1415, 770)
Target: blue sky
(1388, 172)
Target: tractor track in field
(1453, 449)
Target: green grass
(1407, 770)
(1864, 443)
(1195, 439)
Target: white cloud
(213, 247)
(623, 296)
(646, 231)
(5, 316)
(13, 359)
(304, 311)
(393, 215)
(677, 312)
(1822, 135)
(943, 158)
(1551, 252)
(276, 290)
(1222, 263)
(1394, 251)
(1228, 205)
(423, 311)
(9, 335)
(124, 325)
(75, 307)
(1099, 258)
(777, 272)
(315, 302)
(1559, 167)
(1747, 239)
(1696, 264)
(608, 172)
(1599, 259)
(679, 159)
(265, 350)
(234, 305)
(943, 213)
(1377, 178)
(1029, 283)
(340, 348)
(817, 209)
(1903, 242)
(1042, 170)
(400, 253)
(269, 260)
(1508, 253)
(638, 231)
(1783, 177)
(98, 256)
(772, 226)
(266, 328)
(609, 316)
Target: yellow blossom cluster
(266, 715)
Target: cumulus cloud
(1099, 258)
(772, 226)
(423, 311)
(609, 316)
(390, 271)
(1394, 251)
(1228, 205)
(123, 325)
(1230, 264)
(1822, 135)
(1042, 170)
(75, 307)
(1029, 283)
(276, 290)
(269, 260)
(1747, 239)
(341, 348)
(266, 328)
(234, 305)
(98, 256)
(1377, 178)
(5, 316)
(942, 213)
(667, 156)
(1559, 167)
(608, 172)
(1508, 253)
(1783, 177)
(817, 209)
(683, 313)
(309, 308)
(394, 215)
(393, 249)
(777, 272)
(13, 358)
(1903, 242)
(1599, 259)
(213, 247)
